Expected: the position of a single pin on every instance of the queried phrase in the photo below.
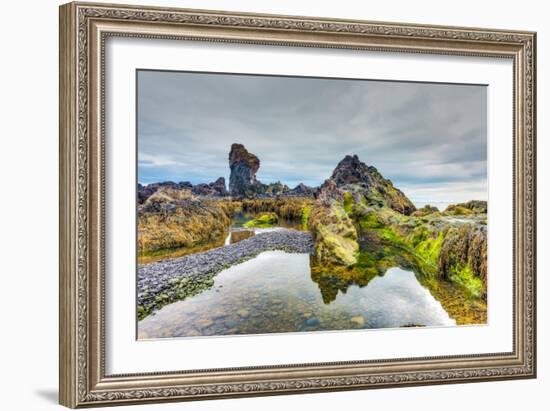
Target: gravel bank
(167, 281)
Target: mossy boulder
(171, 218)
(467, 209)
(335, 234)
(463, 258)
(424, 211)
(458, 210)
(264, 220)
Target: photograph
(284, 204)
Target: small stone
(231, 323)
(243, 313)
(359, 321)
(313, 321)
(205, 323)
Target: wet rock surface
(167, 281)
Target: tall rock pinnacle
(243, 165)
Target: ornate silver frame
(83, 30)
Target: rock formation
(276, 189)
(244, 166)
(352, 175)
(471, 207)
(215, 189)
(301, 190)
(144, 192)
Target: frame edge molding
(76, 387)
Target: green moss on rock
(465, 278)
(455, 253)
(306, 211)
(429, 248)
(348, 202)
(264, 220)
(455, 210)
(335, 235)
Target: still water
(275, 292)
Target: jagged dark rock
(144, 192)
(301, 190)
(277, 189)
(328, 193)
(185, 184)
(354, 176)
(242, 182)
(219, 186)
(215, 189)
(244, 166)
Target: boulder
(277, 189)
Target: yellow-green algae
(306, 211)
(264, 220)
(375, 259)
(335, 234)
(463, 261)
(196, 224)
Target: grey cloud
(416, 134)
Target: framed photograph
(259, 204)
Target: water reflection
(235, 236)
(278, 292)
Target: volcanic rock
(144, 192)
(215, 189)
(354, 176)
(244, 166)
(301, 190)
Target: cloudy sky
(429, 139)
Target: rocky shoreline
(164, 282)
